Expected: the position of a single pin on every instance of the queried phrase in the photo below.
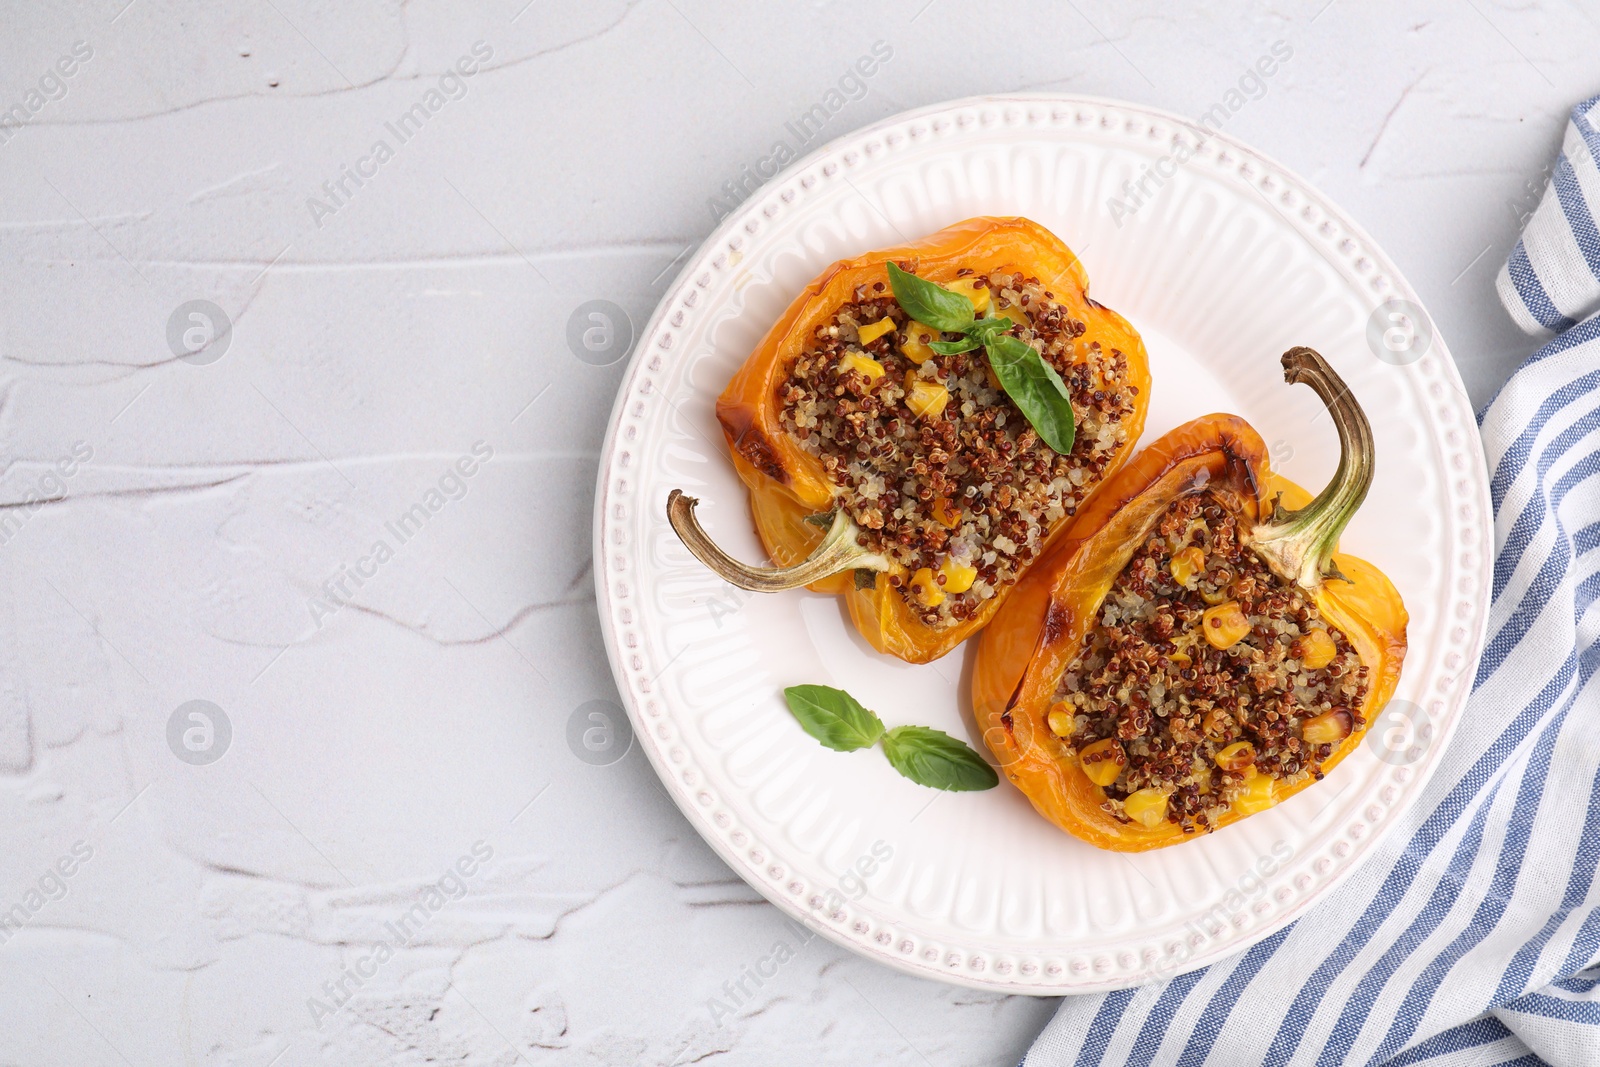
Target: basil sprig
(1037, 389)
(929, 303)
(833, 717)
(933, 758)
(1031, 383)
(926, 756)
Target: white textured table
(356, 524)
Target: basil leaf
(1036, 389)
(950, 348)
(986, 330)
(930, 303)
(833, 717)
(933, 758)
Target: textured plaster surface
(384, 741)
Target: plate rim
(725, 237)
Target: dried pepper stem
(1299, 545)
(838, 551)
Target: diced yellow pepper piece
(915, 346)
(926, 589)
(958, 577)
(1103, 761)
(969, 288)
(1147, 806)
(1186, 564)
(870, 333)
(864, 364)
(1316, 650)
(1256, 795)
(1225, 625)
(925, 399)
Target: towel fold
(1552, 279)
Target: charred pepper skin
(1046, 621)
(790, 490)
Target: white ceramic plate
(1229, 263)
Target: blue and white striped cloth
(1472, 935)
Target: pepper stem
(1298, 545)
(838, 551)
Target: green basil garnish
(1036, 388)
(935, 759)
(926, 756)
(929, 302)
(950, 348)
(833, 717)
(1031, 383)
(986, 330)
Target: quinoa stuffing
(939, 469)
(1206, 678)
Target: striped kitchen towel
(1552, 279)
(1472, 934)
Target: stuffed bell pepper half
(1194, 649)
(920, 424)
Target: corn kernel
(1256, 795)
(968, 287)
(925, 399)
(948, 515)
(958, 577)
(915, 346)
(1315, 650)
(1224, 625)
(864, 364)
(1103, 761)
(1181, 659)
(1327, 728)
(1186, 564)
(1060, 720)
(925, 589)
(1146, 806)
(870, 333)
(1237, 756)
(1214, 598)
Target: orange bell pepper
(1045, 625)
(793, 498)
